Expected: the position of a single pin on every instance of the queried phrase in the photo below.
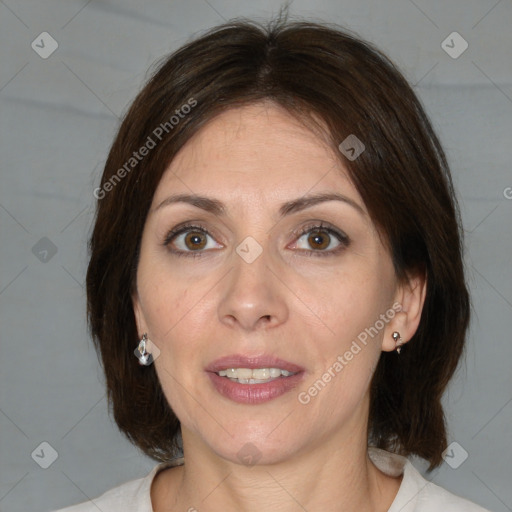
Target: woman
(276, 283)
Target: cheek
(340, 382)
(166, 299)
(177, 322)
(347, 349)
(173, 316)
(348, 303)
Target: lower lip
(254, 393)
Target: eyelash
(322, 227)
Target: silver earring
(142, 354)
(398, 340)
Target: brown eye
(195, 240)
(319, 239)
(190, 241)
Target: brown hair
(313, 71)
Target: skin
(301, 307)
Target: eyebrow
(296, 205)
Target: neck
(333, 474)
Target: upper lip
(252, 362)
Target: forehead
(255, 152)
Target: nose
(252, 296)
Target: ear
(409, 300)
(139, 316)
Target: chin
(249, 443)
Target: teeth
(250, 381)
(253, 376)
(242, 373)
(260, 373)
(275, 372)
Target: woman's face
(247, 272)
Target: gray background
(59, 116)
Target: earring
(398, 341)
(143, 355)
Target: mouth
(253, 380)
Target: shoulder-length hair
(315, 71)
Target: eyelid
(322, 226)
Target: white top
(416, 494)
